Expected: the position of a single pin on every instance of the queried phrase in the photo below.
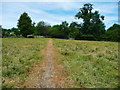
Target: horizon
(54, 12)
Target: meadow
(18, 56)
(89, 64)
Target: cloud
(54, 12)
(110, 20)
(36, 13)
(106, 7)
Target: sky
(54, 11)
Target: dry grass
(90, 64)
(19, 55)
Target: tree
(97, 27)
(16, 31)
(42, 28)
(25, 24)
(55, 31)
(60, 31)
(92, 21)
(75, 30)
(85, 13)
(64, 29)
(5, 32)
(112, 34)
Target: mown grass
(89, 64)
(19, 55)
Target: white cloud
(41, 11)
(106, 7)
(109, 21)
(10, 19)
(110, 11)
(37, 15)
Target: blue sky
(54, 12)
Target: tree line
(91, 27)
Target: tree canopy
(42, 29)
(113, 33)
(92, 21)
(25, 24)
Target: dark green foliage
(25, 25)
(60, 31)
(112, 34)
(42, 29)
(92, 21)
(5, 33)
(34, 28)
(13, 32)
(75, 30)
(16, 31)
(64, 29)
(55, 32)
(85, 13)
(87, 37)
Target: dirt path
(47, 74)
(46, 78)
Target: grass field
(91, 64)
(19, 55)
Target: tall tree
(85, 13)
(25, 25)
(92, 21)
